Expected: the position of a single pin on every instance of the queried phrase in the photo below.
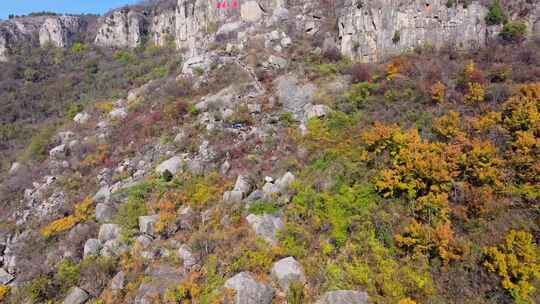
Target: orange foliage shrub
(438, 92)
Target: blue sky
(19, 7)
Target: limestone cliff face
(364, 30)
(375, 29)
(59, 30)
(121, 28)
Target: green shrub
(261, 207)
(397, 37)
(295, 294)
(67, 274)
(39, 289)
(513, 32)
(73, 110)
(78, 48)
(495, 14)
(37, 148)
(129, 212)
(360, 93)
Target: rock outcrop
(366, 30)
(374, 30)
(121, 28)
(59, 31)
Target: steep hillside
(273, 152)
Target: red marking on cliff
(225, 4)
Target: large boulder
(76, 296)
(92, 247)
(5, 277)
(118, 113)
(173, 165)
(104, 212)
(233, 196)
(242, 184)
(187, 257)
(266, 226)
(58, 152)
(147, 224)
(81, 118)
(285, 182)
(248, 290)
(344, 297)
(108, 232)
(251, 11)
(287, 271)
(294, 96)
(118, 281)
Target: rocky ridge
(368, 31)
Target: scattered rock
(251, 11)
(242, 184)
(76, 296)
(108, 232)
(287, 271)
(92, 247)
(5, 277)
(118, 282)
(233, 196)
(104, 212)
(103, 195)
(58, 152)
(249, 291)
(143, 240)
(266, 226)
(187, 257)
(186, 218)
(15, 168)
(113, 248)
(119, 113)
(81, 118)
(344, 297)
(316, 111)
(172, 165)
(147, 223)
(285, 182)
(294, 96)
(277, 62)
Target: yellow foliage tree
(438, 92)
(475, 93)
(516, 261)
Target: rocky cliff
(365, 30)
(60, 31)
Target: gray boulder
(316, 111)
(103, 195)
(277, 62)
(266, 226)
(173, 165)
(287, 271)
(293, 95)
(5, 277)
(344, 297)
(248, 290)
(119, 113)
(118, 282)
(104, 212)
(285, 182)
(108, 232)
(92, 247)
(147, 223)
(113, 248)
(233, 196)
(58, 152)
(187, 257)
(76, 296)
(15, 168)
(242, 184)
(81, 118)
(251, 11)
